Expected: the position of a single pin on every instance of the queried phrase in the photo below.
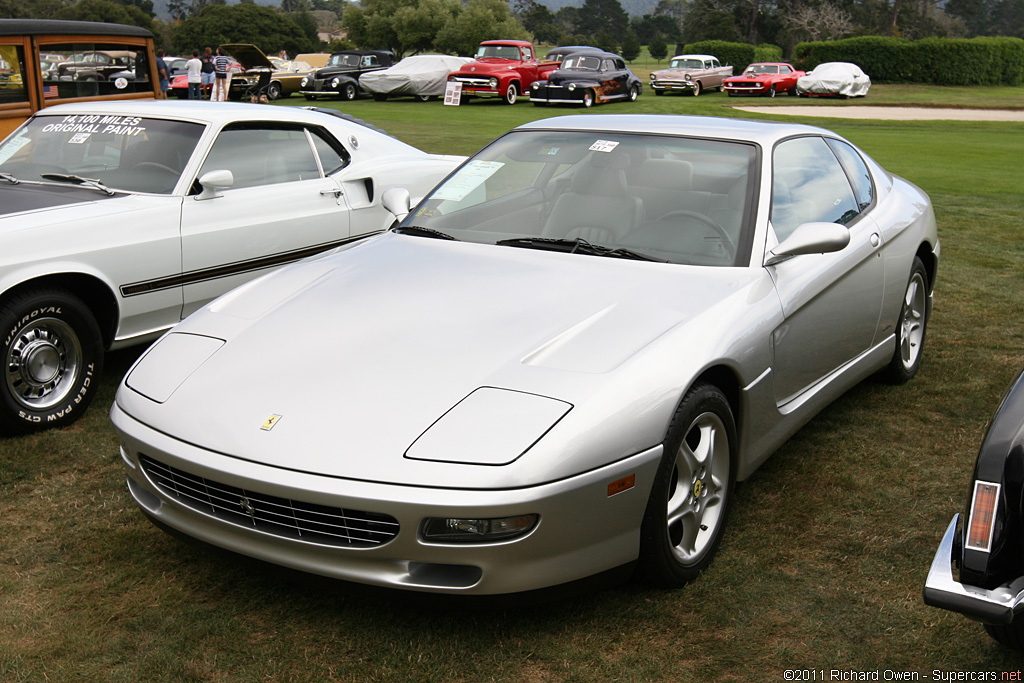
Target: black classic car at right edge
(988, 547)
(586, 78)
(340, 77)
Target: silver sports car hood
(341, 365)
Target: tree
(602, 15)
(657, 48)
(417, 26)
(538, 20)
(824, 22)
(106, 11)
(630, 48)
(480, 20)
(369, 25)
(256, 24)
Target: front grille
(475, 82)
(745, 84)
(294, 519)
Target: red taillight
(983, 516)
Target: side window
(607, 65)
(333, 155)
(262, 156)
(93, 69)
(857, 170)
(785, 70)
(808, 186)
(12, 74)
(527, 54)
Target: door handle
(336, 192)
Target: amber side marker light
(620, 485)
(983, 516)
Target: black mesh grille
(278, 516)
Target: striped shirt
(221, 63)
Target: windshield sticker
(603, 146)
(549, 151)
(12, 146)
(469, 177)
(128, 126)
(121, 83)
(79, 138)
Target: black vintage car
(340, 78)
(988, 547)
(586, 78)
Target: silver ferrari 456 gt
(557, 365)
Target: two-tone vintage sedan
(558, 365)
(586, 78)
(118, 219)
(986, 545)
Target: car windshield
(129, 153)
(582, 63)
(687, 64)
(677, 199)
(498, 51)
(343, 60)
(762, 69)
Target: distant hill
(634, 8)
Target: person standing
(208, 71)
(163, 74)
(222, 82)
(194, 68)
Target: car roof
(765, 133)
(14, 27)
(695, 57)
(217, 113)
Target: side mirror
(398, 201)
(810, 238)
(213, 182)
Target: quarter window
(809, 185)
(857, 170)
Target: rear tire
(52, 354)
(911, 327)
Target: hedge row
(935, 61)
(738, 55)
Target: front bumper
(746, 89)
(582, 530)
(670, 86)
(996, 606)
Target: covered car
(118, 219)
(840, 79)
(586, 78)
(555, 367)
(986, 544)
(419, 76)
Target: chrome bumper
(996, 606)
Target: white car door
(280, 206)
(832, 302)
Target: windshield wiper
(422, 232)
(9, 178)
(577, 246)
(78, 180)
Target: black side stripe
(229, 269)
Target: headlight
(470, 530)
(305, 81)
(686, 77)
(572, 86)
(335, 82)
(534, 86)
(493, 82)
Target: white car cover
(418, 75)
(835, 78)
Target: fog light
(472, 530)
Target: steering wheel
(709, 222)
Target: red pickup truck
(503, 68)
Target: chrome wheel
(697, 488)
(912, 321)
(43, 363)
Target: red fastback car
(764, 78)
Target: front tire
(771, 91)
(696, 88)
(348, 92)
(274, 91)
(911, 327)
(588, 99)
(511, 94)
(686, 513)
(52, 355)
(634, 93)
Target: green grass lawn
(821, 568)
